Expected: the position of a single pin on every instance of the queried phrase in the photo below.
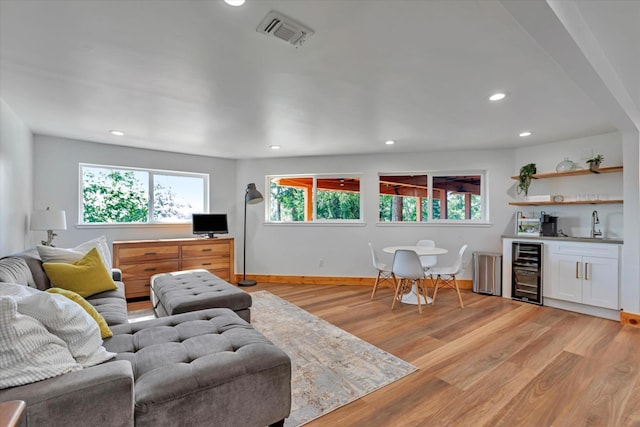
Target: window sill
(134, 225)
(434, 224)
(315, 224)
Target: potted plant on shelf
(594, 163)
(524, 179)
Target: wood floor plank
(496, 362)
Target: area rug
(330, 367)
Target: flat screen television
(210, 224)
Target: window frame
(152, 173)
(314, 198)
(484, 197)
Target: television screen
(210, 224)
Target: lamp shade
(48, 220)
(252, 196)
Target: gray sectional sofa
(203, 368)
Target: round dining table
(412, 297)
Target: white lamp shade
(49, 220)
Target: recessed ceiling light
(390, 142)
(526, 133)
(116, 132)
(274, 147)
(497, 96)
(234, 2)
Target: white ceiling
(194, 76)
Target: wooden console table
(141, 259)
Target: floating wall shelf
(573, 173)
(581, 202)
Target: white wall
(296, 249)
(16, 178)
(56, 184)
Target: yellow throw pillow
(105, 332)
(86, 277)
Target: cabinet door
(566, 273)
(600, 282)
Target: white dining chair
(427, 261)
(408, 268)
(384, 272)
(446, 276)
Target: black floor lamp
(251, 197)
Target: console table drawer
(208, 250)
(212, 263)
(139, 271)
(145, 254)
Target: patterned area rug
(330, 367)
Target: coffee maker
(549, 225)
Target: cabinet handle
(206, 263)
(150, 269)
(586, 271)
(207, 250)
(148, 285)
(577, 270)
(150, 253)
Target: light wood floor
(496, 362)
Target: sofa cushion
(71, 255)
(28, 352)
(105, 332)
(16, 270)
(87, 276)
(111, 305)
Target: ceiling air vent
(278, 25)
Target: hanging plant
(524, 180)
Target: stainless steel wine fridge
(526, 272)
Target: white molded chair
(427, 261)
(384, 272)
(408, 268)
(446, 276)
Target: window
(314, 198)
(435, 197)
(127, 195)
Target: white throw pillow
(28, 352)
(71, 255)
(70, 322)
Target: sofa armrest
(99, 395)
(116, 273)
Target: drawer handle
(206, 263)
(151, 253)
(207, 250)
(577, 270)
(586, 271)
(150, 269)
(148, 285)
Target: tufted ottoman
(191, 290)
(205, 368)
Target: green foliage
(287, 203)
(166, 206)
(338, 205)
(114, 196)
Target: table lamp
(49, 220)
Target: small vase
(594, 166)
(566, 165)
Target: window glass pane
(338, 198)
(112, 195)
(175, 198)
(403, 198)
(290, 198)
(457, 197)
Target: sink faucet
(595, 220)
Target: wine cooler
(526, 272)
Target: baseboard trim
(631, 319)
(328, 280)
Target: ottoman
(205, 368)
(191, 290)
